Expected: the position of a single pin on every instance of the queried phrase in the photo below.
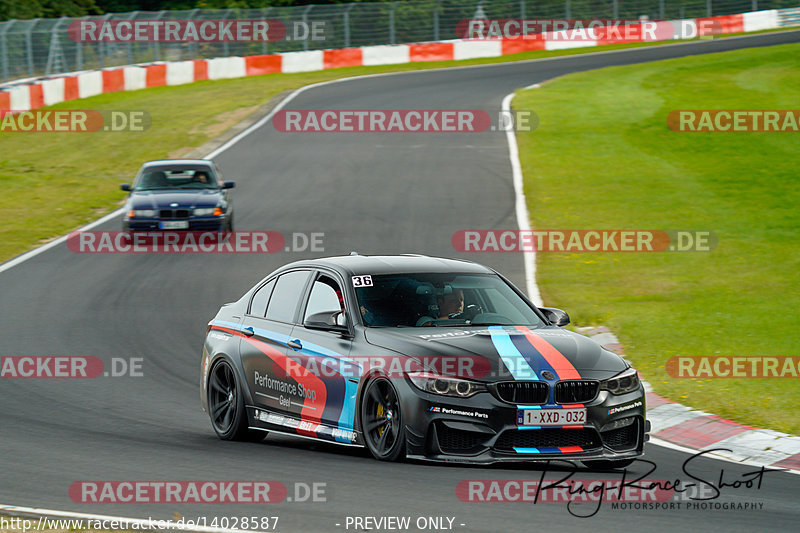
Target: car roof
(393, 264)
(163, 162)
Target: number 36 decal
(362, 281)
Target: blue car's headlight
(143, 213)
(627, 381)
(460, 388)
(207, 211)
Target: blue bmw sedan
(178, 194)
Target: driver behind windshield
(451, 303)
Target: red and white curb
(30, 94)
(697, 430)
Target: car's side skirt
(265, 420)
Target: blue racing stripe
(531, 355)
(512, 358)
(537, 450)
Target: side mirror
(228, 184)
(125, 186)
(327, 321)
(555, 316)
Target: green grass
(53, 183)
(602, 157)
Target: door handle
(249, 331)
(295, 344)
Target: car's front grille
(585, 438)
(174, 213)
(528, 392)
(457, 440)
(576, 391)
(623, 438)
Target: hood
(510, 352)
(186, 198)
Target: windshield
(173, 177)
(442, 300)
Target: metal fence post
(436, 19)
(708, 8)
(567, 9)
(264, 45)
(615, 9)
(29, 46)
(305, 25)
(156, 44)
(391, 22)
(56, 62)
(522, 9)
(346, 22)
(754, 5)
(4, 27)
(79, 51)
(193, 50)
(661, 9)
(130, 44)
(101, 46)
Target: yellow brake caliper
(379, 414)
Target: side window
(324, 297)
(258, 306)
(286, 295)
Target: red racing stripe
(571, 449)
(312, 410)
(556, 359)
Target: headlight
(434, 384)
(144, 213)
(206, 211)
(627, 381)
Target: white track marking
(523, 220)
(691, 451)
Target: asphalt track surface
(375, 193)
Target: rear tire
(226, 405)
(382, 421)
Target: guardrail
(44, 47)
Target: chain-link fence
(45, 46)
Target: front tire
(382, 421)
(226, 405)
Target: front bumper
(483, 429)
(218, 223)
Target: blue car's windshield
(173, 177)
(441, 300)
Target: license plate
(173, 224)
(551, 417)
